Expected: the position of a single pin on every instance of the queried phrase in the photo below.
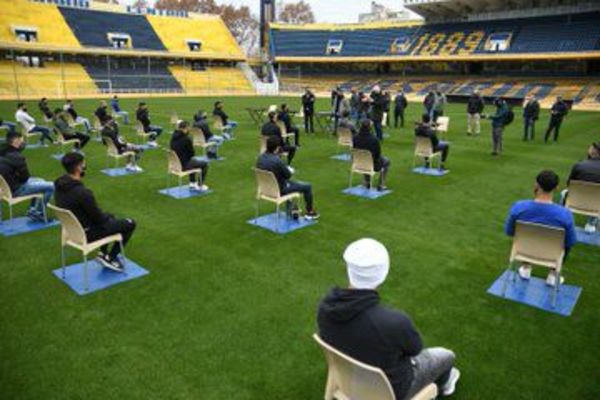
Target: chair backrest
(139, 128)
(263, 143)
(111, 148)
(541, 244)
(443, 124)
(72, 231)
(362, 161)
(217, 122)
(344, 136)
(281, 126)
(266, 183)
(174, 117)
(198, 136)
(353, 379)
(5, 192)
(584, 198)
(174, 162)
(96, 123)
(70, 119)
(423, 146)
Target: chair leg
(277, 210)
(45, 212)
(180, 184)
(257, 206)
(10, 212)
(350, 181)
(123, 255)
(556, 288)
(63, 260)
(86, 280)
(506, 279)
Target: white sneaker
(137, 168)
(292, 170)
(525, 271)
(195, 186)
(130, 167)
(450, 386)
(551, 279)
(204, 188)
(152, 144)
(590, 228)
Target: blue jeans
(378, 129)
(123, 114)
(44, 131)
(157, 130)
(33, 186)
(216, 139)
(9, 125)
(432, 365)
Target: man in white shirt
(28, 124)
(79, 120)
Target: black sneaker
(311, 215)
(382, 188)
(114, 265)
(35, 216)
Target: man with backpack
(503, 117)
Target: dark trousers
(309, 123)
(113, 226)
(528, 129)
(296, 132)
(437, 114)
(299, 187)
(378, 128)
(44, 131)
(336, 120)
(290, 150)
(195, 163)
(384, 166)
(83, 139)
(444, 147)
(554, 126)
(399, 113)
(156, 131)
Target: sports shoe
(525, 272)
(381, 188)
(114, 265)
(450, 385)
(35, 216)
(291, 169)
(195, 186)
(204, 188)
(137, 168)
(590, 228)
(551, 279)
(312, 215)
(130, 167)
(152, 143)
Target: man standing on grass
(353, 321)
(559, 111)
(531, 113)
(474, 109)
(400, 104)
(308, 106)
(499, 121)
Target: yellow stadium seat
(212, 80)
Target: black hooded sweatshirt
(13, 166)
(183, 145)
(353, 322)
(72, 195)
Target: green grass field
(228, 309)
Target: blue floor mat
(58, 156)
(119, 172)
(204, 158)
(362, 191)
(22, 225)
(430, 171)
(592, 239)
(183, 192)
(342, 157)
(99, 277)
(534, 292)
(286, 225)
(146, 146)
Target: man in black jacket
(201, 122)
(377, 111)
(143, 116)
(474, 109)
(110, 131)
(308, 106)
(228, 125)
(285, 117)
(531, 113)
(14, 170)
(102, 112)
(77, 119)
(182, 144)
(424, 129)
(366, 141)
(400, 104)
(559, 110)
(45, 109)
(270, 161)
(337, 96)
(270, 128)
(71, 194)
(353, 321)
(61, 124)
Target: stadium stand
(212, 80)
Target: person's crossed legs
(433, 365)
(300, 187)
(34, 186)
(113, 226)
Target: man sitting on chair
(102, 112)
(143, 116)
(285, 117)
(61, 123)
(182, 144)
(228, 125)
(587, 171)
(70, 108)
(543, 211)
(366, 141)
(114, 104)
(9, 126)
(28, 124)
(271, 129)
(201, 122)
(346, 122)
(110, 131)
(425, 129)
(13, 168)
(270, 161)
(71, 194)
(353, 321)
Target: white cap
(272, 108)
(368, 263)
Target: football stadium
(402, 207)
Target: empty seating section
(212, 80)
(211, 31)
(572, 33)
(46, 81)
(92, 28)
(46, 19)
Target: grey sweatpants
(431, 365)
(497, 133)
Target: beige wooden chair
(73, 235)
(536, 244)
(443, 123)
(142, 135)
(200, 141)
(174, 167)
(349, 379)
(263, 146)
(62, 142)
(362, 163)
(113, 152)
(28, 135)
(97, 127)
(584, 198)
(268, 190)
(7, 196)
(424, 150)
(284, 133)
(174, 118)
(344, 138)
(218, 123)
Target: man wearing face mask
(72, 195)
(110, 131)
(13, 168)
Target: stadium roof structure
(448, 10)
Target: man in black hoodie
(366, 141)
(353, 321)
(110, 131)
(559, 111)
(308, 106)
(424, 129)
(377, 111)
(201, 122)
(143, 116)
(72, 195)
(182, 144)
(228, 125)
(270, 128)
(531, 113)
(474, 109)
(285, 117)
(14, 170)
